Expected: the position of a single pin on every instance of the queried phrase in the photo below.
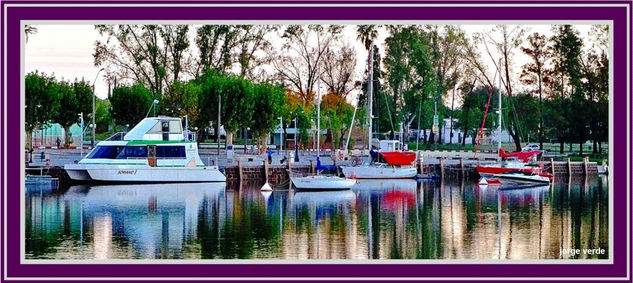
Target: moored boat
(155, 150)
(318, 181)
(396, 165)
(520, 177)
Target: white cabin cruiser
(155, 150)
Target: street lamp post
(92, 142)
(81, 141)
(281, 135)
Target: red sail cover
(523, 156)
(399, 158)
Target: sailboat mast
(370, 85)
(498, 149)
(319, 116)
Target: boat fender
(266, 187)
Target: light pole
(41, 126)
(281, 135)
(92, 143)
(81, 141)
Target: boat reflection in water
(134, 221)
(376, 219)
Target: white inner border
(610, 178)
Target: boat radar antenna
(152, 106)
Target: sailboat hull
(379, 172)
(321, 182)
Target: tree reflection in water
(382, 219)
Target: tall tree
(42, 102)
(251, 41)
(125, 112)
(150, 54)
(506, 41)
(216, 43)
(299, 62)
(536, 73)
(176, 41)
(73, 99)
(270, 100)
(367, 34)
(567, 50)
(180, 99)
(339, 66)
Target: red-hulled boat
(520, 164)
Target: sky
(66, 50)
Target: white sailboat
(398, 165)
(321, 182)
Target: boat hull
(141, 173)
(322, 183)
(489, 171)
(376, 172)
(522, 179)
(77, 172)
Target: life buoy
(340, 155)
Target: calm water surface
(375, 220)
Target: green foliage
(130, 104)
(73, 99)
(42, 102)
(237, 99)
(181, 99)
(473, 109)
(270, 100)
(103, 115)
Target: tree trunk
(581, 147)
(264, 143)
(67, 140)
(595, 150)
(562, 147)
(229, 138)
(517, 140)
(217, 134)
(29, 139)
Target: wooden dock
(450, 168)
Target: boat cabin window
(157, 129)
(106, 152)
(118, 152)
(133, 152)
(171, 151)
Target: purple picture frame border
(574, 12)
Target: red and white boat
(397, 164)
(519, 161)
